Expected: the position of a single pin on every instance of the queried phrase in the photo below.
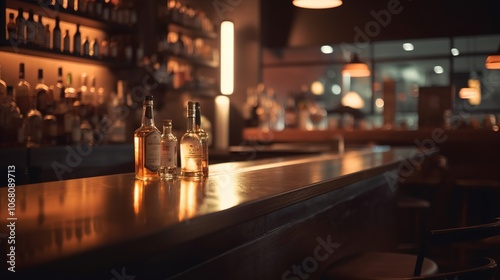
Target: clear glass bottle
(22, 92)
(147, 144)
(21, 26)
(204, 139)
(168, 152)
(56, 37)
(191, 147)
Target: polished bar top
(61, 219)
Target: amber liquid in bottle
(204, 140)
(191, 148)
(147, 145)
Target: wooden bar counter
(281, 218)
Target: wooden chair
(382, 265)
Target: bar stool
(382, 265)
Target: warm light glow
(438, 69)
(353, 100)
(356, 70)
(336, 89)
(187, 200)
(138, 194)
(222, 122)
(379, 103)
(317, 4)
(326, 49)
(493, 61)
(454, 52)
(408, 47)
(317, 88)
(227, 57)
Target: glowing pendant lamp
(356, 68)
(317, 4)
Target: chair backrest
(453, 235)
(484, 269)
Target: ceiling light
(438, 69)
(317, 4)
(356, 68)
(454, 52)
(408, 47)
(326, 49)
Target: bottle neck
(167, 129)
(147, 116)
(198, 119)
(191, 123)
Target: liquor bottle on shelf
(94, 51)
(56, 36)
(104, 50)
(22, 92)
(98, 8)
(117, 114)
(106, 10)
(66, 42)
(41, 94)
(70, 114)
(70, 5)
(31, 29)
(21, 26)
(50, 127)
(15, 119)
(77, 41)
(147, 144)
(61, 106)
(47, 36)
(40, 32)
(90, 9)
(34, 122)
(168, 152)
(191, 147)
(204, 139)
(11, 29)
(86, 47)
(82, 6)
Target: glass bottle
(94, 52)
(204, 139)
(168, 152)
(40, 32)
(22, 92)
(21, 25)
(191, 147)
(11, 28)
(147, 144)
(66, 42)
(50, 127)
(56, 37)
(31, 29)
(34, 121)
(77, 41)
(47, 36)
(86, 47)
(60, 106)
(42, 94)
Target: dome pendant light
(317, 4)
(356, 68)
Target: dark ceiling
(284, 25)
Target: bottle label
(152, 151)
(168, 154)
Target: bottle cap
(191, 110)
(167, 122)
(148, 98)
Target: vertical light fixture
(226, 85)
(227, 57)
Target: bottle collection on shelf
(155, 153)
(25, 31)
(59, 114)
(183, 14)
